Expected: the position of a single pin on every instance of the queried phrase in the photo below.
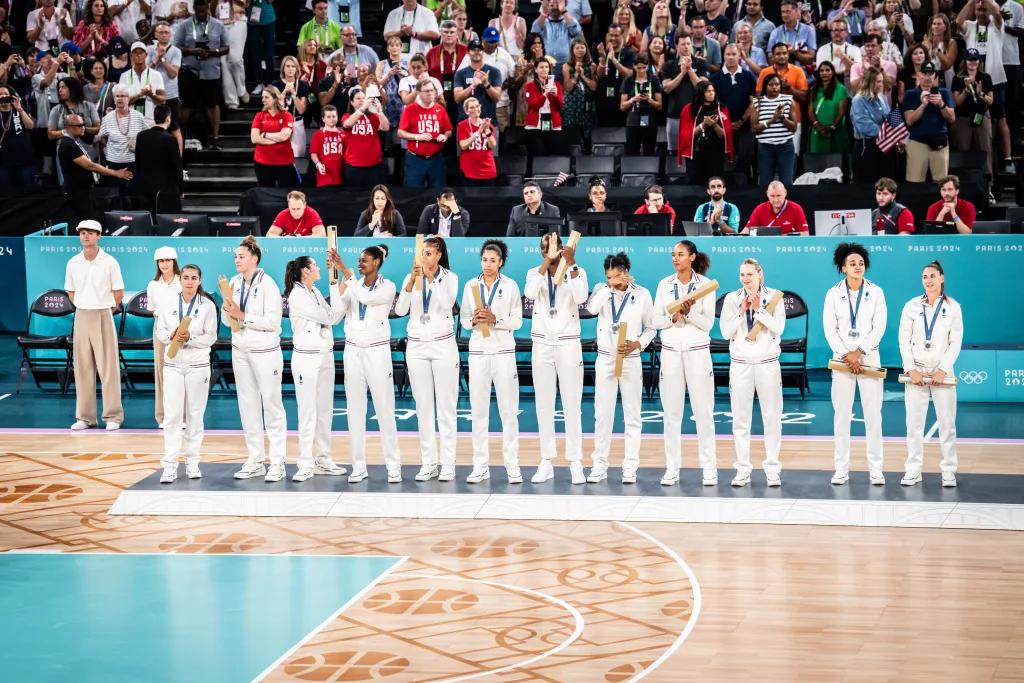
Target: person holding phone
(640, 98)
(705, 135)
(544, 100)
(17, 165)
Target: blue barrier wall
(12, 283)
(978, 268)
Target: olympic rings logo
(972, 377)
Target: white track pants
(258, 385)
(682, 372)
(844, 385)
(184, 389)
(232, 64)
(560, 365)
(313, 376)
(498, 370)
(606, 387)
(370, 369)
(434, 375)
(764, 379)
(916, 399)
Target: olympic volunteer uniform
(257, 364)
(186, 383)
(492, 360)
(635, 308)
(432, 358)
(157, 292)
(856, 320)
(686, 366)
(557, 359)
(930, 338)
(754, 368)
(368, 367)
(312, 365)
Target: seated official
(444, 217)
(533, 205)
(298, 220)
(381, 218)
(778, 212)
(951, 208)
(723, 216)
(597, 197)
(890, 217)
(654, 202)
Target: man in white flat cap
(93, 281)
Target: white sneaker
(395, 476)
(671, 478)
(113, 426)
(250, 470)
(274, 473)
(192, 472)
(545, 472)
(169, 475)
(478, 475)
(878, 478)
(628, 476)
(710, 478)
(576, 470)
(597, 475)
(840, 478)
(773, 479)
(447, 473)
(302, 475)
(428, 472)
(258, 90)
(910, 479)
(81, 425)
(514, 475)
(328, 467)
(357, 476)
(948, 479)
(741, 479)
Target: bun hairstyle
(701, 261)
(439, 244)
(497, 246)
(938, 266)
(293, 272)
(379, 252)
(250, 243)
(199, 272)
(753, 262)
(616, 261)
(844, 250)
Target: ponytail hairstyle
(844, 250)
(756, 265)
(616, 261)
(293, 272)
(497, 246)
(379, 252)
(201, 291)
(439, 244)
(938, 266)
(250, 244)
(701, 261)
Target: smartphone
(934, 90)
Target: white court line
(932, 432)
(4, 396)
(695, 613)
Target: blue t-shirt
(730, 214)
(931, 122)
(464, 77)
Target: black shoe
(214, 144)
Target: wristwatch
(575, 268)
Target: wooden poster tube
(563, 265)
(418, 254)
(948, 382)
(619, 357)
(701, 291)
(485, 329)
(758, 326)
(840, 366)
(172, 348)
(226, 293)
(332, 243)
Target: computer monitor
(596, 224)
(235, 226)
(841, 222)
(134, 223)
(175, 224)
(647, 225)
(534, 226)
(694, 229)
(939, 228)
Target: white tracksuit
(312, 367)
(870, 329)
(257, 363)
(637, 314)
(432, 358)
(492, 360)
(754, 367)
(368, 367)
(947, 337)
(557, 359)
(186, 376)
(686, 367)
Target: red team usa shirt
(362, 146)
(476, 161)
(419, 119)
(329, 147)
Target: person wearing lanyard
(432, 356)
(323, 30)
(187, 374)
(619, 301)
(778, 212)
(313, 320)
(931, 334)
(686, 361)
(557, 357)
(160, 291)
(145, 86)
(257, 362)
(754, 368)
(854, 318)
(366, 303)
(492, 359)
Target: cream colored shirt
(93, 282)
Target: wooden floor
(763, 603)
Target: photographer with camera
(929, 113)
(363, 154)
(16, 159)
(202, 41)
(974, 94)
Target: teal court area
(167, 618)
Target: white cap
(89, 225)
(165, 253)
(138, 45)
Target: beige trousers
(159, 349)
(95, 351)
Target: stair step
(210, 156)
(220, 170)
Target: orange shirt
(794, 76)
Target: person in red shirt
(443, 61)
(326, 149)
(298, 220)
(362, 144)
(272, 133)
(654, 202)
(951, 208)
(544, 101)
(778, 212)
(890, 217)
(477, 142)
(426, 127)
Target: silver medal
(927, 345)
(552, 312)
(615, 327)
(854, 334)
(424, 318)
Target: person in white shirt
(854, 319)
(754, 368)
(126, 13)
(48, 24)
(839, 51)
(257, 362)
(145, 85)
(161, 291)
(187, 373)
(492, 359)
(686, 361)
(366, 303)
(93, 282)
(432, 356)
(165, 59)
(414, 24)
(557, 358)
(931, 335)
(616, 302)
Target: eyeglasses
(75, 125)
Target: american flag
(560, 179)
(893, 131)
